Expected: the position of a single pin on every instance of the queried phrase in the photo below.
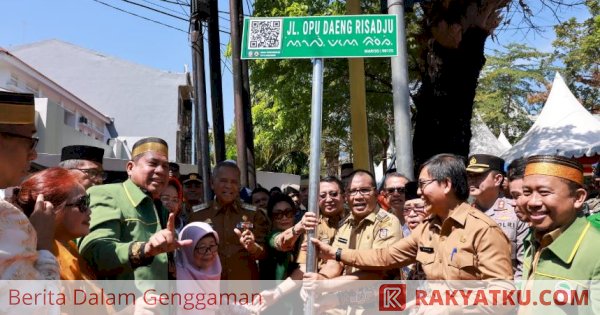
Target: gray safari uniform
(503, 213)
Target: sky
(95, 26)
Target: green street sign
(343, 36)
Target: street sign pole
(401, 95)
(316, 110)
(318, 37)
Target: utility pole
(216, 86)
(199, 12)
(238, 86)
(402, 123)
(358, 104)
(247, 101)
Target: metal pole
(402, 124)
(200, 104)
(249, 129)
(315, 167)
(238, 85)
(216, 88)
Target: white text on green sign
(320, 37)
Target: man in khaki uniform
(242, 228)
(367, 226)
(331, 207)
(456, 242)
(485, 175)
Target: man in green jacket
(563, 243)
(129, 230)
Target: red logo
(392, 297)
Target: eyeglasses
(332, 194)
(424, 183)
(93, 172)
(168, 199)
(288, 213)
(391, 190)
(82, 203)
(206, 249)
(363, 191)
(416, 209)
(33, 140)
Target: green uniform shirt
(121, 214)
(571, 260)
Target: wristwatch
(338, 254)
(137, 256)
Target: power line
(155, 10)
(175, 2)
(249, 7)
(141, 17)
(160, 6)
(225, 12)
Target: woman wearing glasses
(61, 188)
(200, 261)
(282, 243)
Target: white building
(61, 117)
(140, 101)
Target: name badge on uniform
(343, 240)
(424, 249)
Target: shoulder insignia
(383, 216)
(501, 205)
(200, 207)
(248, 207)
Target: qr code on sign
(265, 34)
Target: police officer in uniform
(456, 241)
(242, 227)
(485, 178)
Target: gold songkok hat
(554, 165)
(17, 108)
(150, 144)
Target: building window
(69, 119)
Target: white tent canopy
(564, 127)
(504, 141)
(483, 140)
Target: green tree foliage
(281, 94)
(577, 46)
(508, 88)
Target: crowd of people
(473, 219)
